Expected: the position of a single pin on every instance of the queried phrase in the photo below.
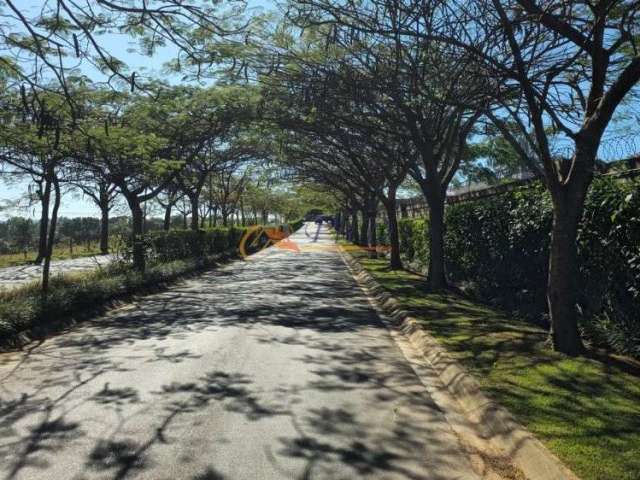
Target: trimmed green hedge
(178, 244)
(296, 224)
(166, 246)
(497, 248)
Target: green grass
(60, 252)
(585, 410)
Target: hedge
(497, 249)
(177, 244)
(166, 246)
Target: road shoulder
(488, 431)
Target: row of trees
(357, 97)
(18, 234)
(248, 200)
(372, 93)
(197, 152)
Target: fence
(417, 207)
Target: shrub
(382, 233)
(166, 246)
(413, 241)
(26, 310)
(498, 247)
(296, 224)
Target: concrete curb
(493, 422)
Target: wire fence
(417, 207)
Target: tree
(397, 93)
(20, 233)
(563, 68)
(214, 118)
(132, 158)
(48, 44)
(103, 194)
(167, 199)
(39, 138)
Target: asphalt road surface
(273, 368)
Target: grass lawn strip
(586, 411)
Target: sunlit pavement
(271, 368)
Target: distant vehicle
(324, 218)
(312, 214)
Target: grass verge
(585, 410)
(60, 252)
(25, 315)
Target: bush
(498, 247)
(296, 224)
(382, 233)
(414, 242)
(166, 246)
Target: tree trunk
(144, 218)
(372, 239)
(436, 274)
(166, 224)
(344, 223)
(104, 228)
(137, 234)
(562, 288)
(354, 227)
(212, 221)
(364, 228)
(394, 239)
(195, 212)
(243, 220)
(45, 199)
(51, 238)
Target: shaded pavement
(272, 368)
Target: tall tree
(103, 194)
(131, 157)
(561, 70)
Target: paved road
(11, 277)
(274, 368)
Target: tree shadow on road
(313, 305)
